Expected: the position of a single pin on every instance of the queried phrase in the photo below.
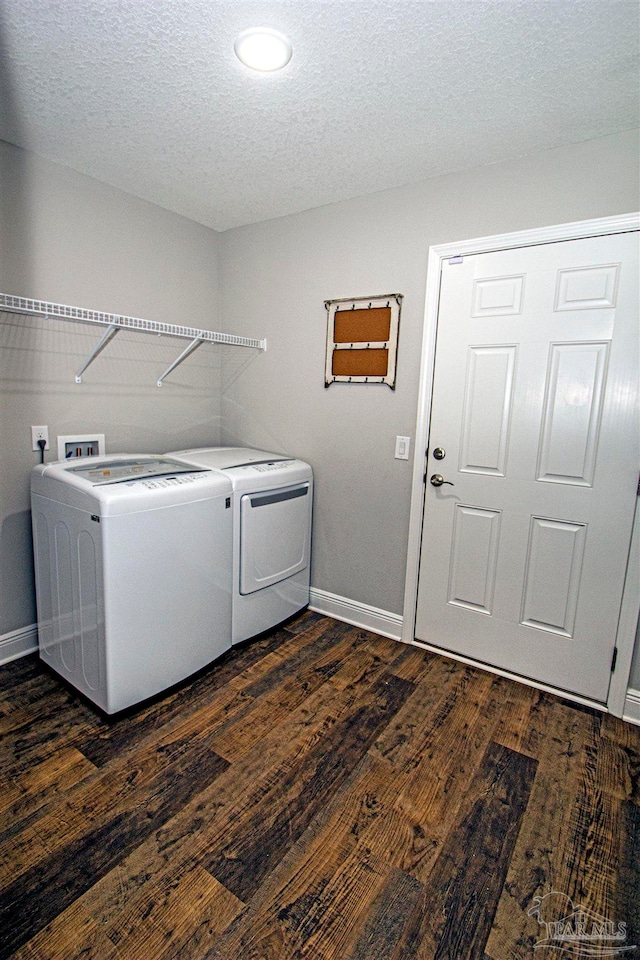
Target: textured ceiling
(147, 95)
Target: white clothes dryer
(133, 562)
(272, 508)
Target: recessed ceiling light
(263, 49)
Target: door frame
(626, 635)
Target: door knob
(438, 481)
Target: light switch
(402, 448)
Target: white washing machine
(272, 503)
(133, 573)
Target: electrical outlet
(39, 433)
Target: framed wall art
(362, 340)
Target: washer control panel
(166, 481)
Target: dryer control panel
(272, 465)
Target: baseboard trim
(18, 643)
(632, 706)
(358, 614)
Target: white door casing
(523, 560)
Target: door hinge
(614, 658)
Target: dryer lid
(226, 458)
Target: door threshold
(499, 672)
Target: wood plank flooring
(319, 793)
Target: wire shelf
(115, 322)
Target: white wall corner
(632, 706)
(18, 643)
(358, 614)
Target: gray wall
(274, 279)
(69, 239)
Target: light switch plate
(402, 448)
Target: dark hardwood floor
(320, 793)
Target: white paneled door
(534, 433)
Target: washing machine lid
(121, 470)
(126, 483)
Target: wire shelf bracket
(183, 356)
(115, 323)
(108, 335)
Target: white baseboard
(21, 642)
(18, 643)
(390, 625)
(358, 614)
(632, 706)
